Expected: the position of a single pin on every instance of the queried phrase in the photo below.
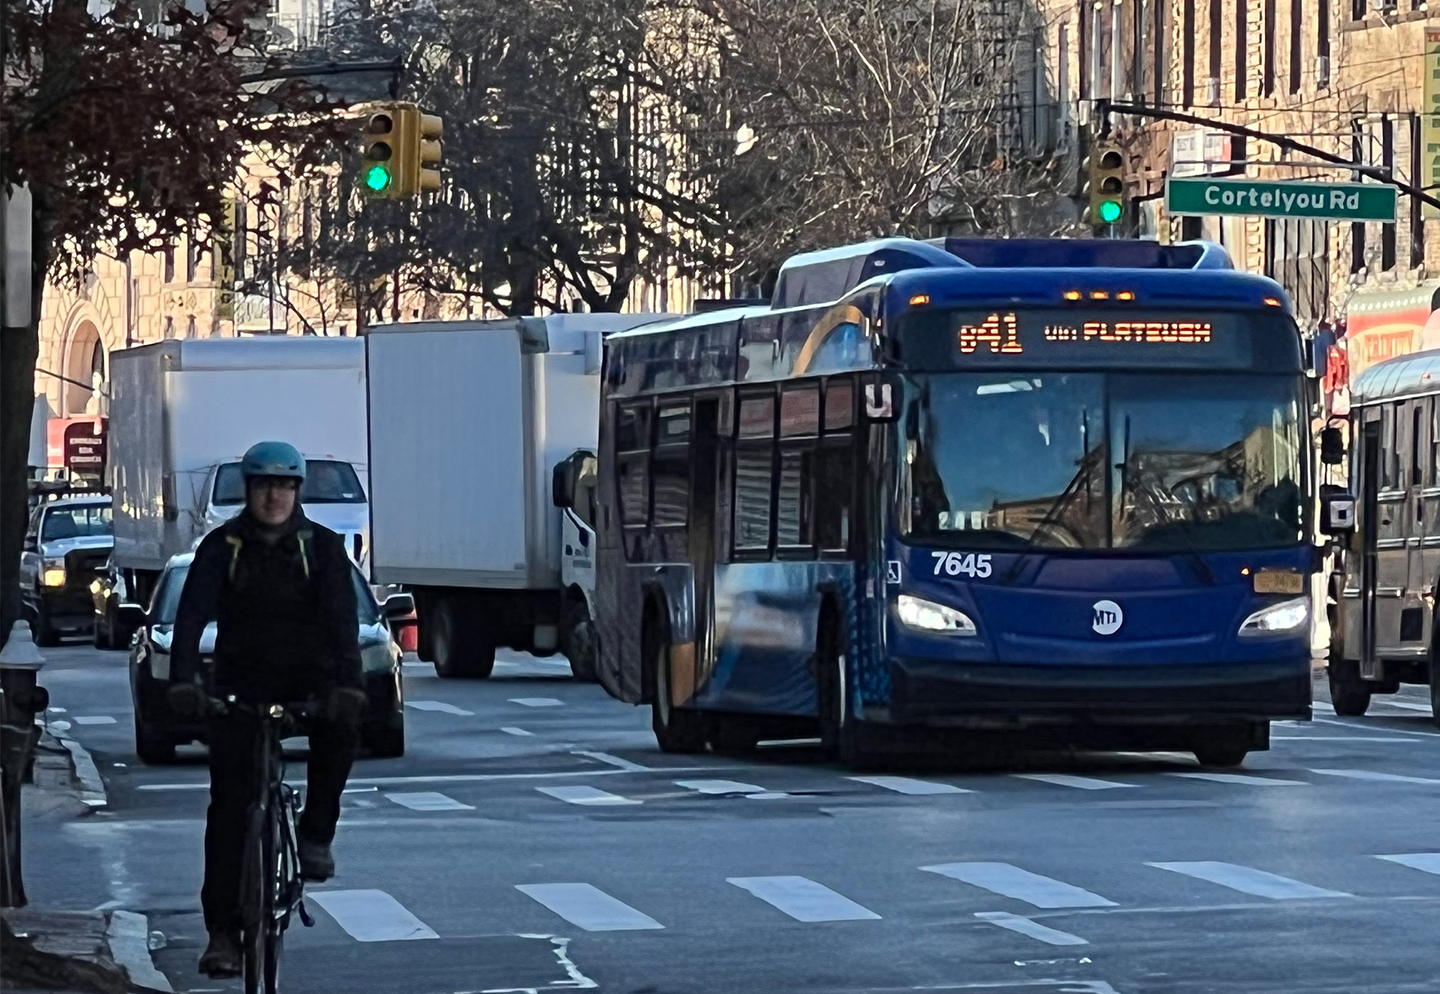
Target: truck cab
(332, 495)
(67, 545)
(574, 493)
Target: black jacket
(288, 624)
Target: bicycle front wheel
(257, 887)
(274, 943)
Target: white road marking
(512, 730)
(538, 702)
(59, 726)
(1034, 929)
(1405, 705)
(428, 800)
(907, 785)
(1341, 738)
(371, 915)
(440, 706)
(582, 794)
(1322, 707)
(1244, 778)
(804, 899)
(1080, 783)
(1426, 862)
(1011, 881)
(1370, 775)
(457, 777)
(609, 760)
(1248, 880)
(94, 719)
(55, 710)
(1352, 725)
(588, 907)
(721, 787)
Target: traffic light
(378, 147)
(1105, 184)
(427, 156)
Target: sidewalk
(78, 952)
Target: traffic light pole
(1104, 108)
(393, 66)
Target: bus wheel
(676, 729)
(1434, 694)
(1348, 693)
(838, 732)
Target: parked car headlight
(927, 616)
(1278, 619)
(375, 657)
(54, 573)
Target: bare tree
(863, 118)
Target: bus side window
(1389, 454)
(632, 468)
(754, 472)
(1434, 453)
(833, 472)
(799, 428)
(670, 470)
(1418, 441)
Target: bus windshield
(1164, 462)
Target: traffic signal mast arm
(1104, 108)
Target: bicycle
(271, 889)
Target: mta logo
(1107, 617)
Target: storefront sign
(1198, 152)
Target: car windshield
(327, 481)
(75, 521)
(1162, 462)
(167, 596)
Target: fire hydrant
(20, 701)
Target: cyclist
(280, 589)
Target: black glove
(188, 700)
(344, 706)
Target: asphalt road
(534, 839)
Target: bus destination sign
(1000, 332)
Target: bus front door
(704, 490)
(1369, 536)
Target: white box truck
(182, 412)
(468, 420)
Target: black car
(158, 730)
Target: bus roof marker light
(1099, 295)
(1272, 301)
(1072, 294)
(1125, 295)
(920, 300)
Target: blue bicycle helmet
(273, 459)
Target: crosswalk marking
(93, 719)
(586, 795)
(1406, 705)
(1066, 780)
(1011, 881)
(1426, 862)
(1025, 926)
(803, 899)
(588, 907)
(1244, 778)
(1370, 775)
(428, 800)
(538, 702)
(371, 915)
(908, 785)
(720, 787)
(1248, 880)
(440, 706)
(1322, 707)
(512, 730)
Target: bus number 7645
(955, 563)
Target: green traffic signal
(1110, 211)
(377, 178)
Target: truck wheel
(1348, 693)
(579, 640)
(676, 729)
(1434, 696)
(460, 648)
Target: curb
(128, 936)
(92, 785)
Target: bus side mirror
(1332, 447)
(562, 484)
(1337, 513)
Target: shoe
(221, 959)
(316, 863)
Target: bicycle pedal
(305, 918)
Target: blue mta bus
(1054, 487)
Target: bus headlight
(54, 573)
(927, 616)
(1278, 619)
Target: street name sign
(1298, 198)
